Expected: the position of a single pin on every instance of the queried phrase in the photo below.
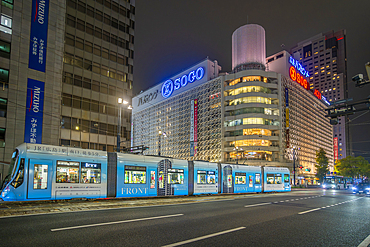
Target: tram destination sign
(68, 151)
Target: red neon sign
(317, 94)
(335, 148)
(296, 76)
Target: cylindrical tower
(248, 48)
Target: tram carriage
(44, 172)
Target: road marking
(287, 200)
(281, 201)
(308, 211)
(255, 205)
(116, 222)
(366, 242)
(204, 237)
(296, 199)
(276, 202)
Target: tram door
(39, 179)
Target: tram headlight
(324, 186)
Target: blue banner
(34, 111)
(39, 34)
(286, 97)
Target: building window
(6, 24)
(4, 78)
(7, 3)
(2, 138)
(3, 107)
(4, 49)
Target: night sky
(172, 35)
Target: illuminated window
(135, 174)
(252, 142)
(327, 66)
(334, 61)
(334, 88)
(316, 73)
(316, 66)
(322, 71)
(328, 73)
(256, 132)
(322, 67)
(6, 24)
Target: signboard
(34, 111)
(39, 34)
(169, 86)
(297, 73)
(335, 148)
(194, 127)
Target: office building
(63, 65)
(324, 57)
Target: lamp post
(160, 133)
(237, 152)
(159, 142)
(294, 158)
(120, 102)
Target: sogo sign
(169, 86)
(297, 73)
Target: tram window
(278, 179)
(201, 177)
(250, 181)
(286, 178)
(175, 176)
(67, 171)
(40, 177)
(258, 178)
(90, 173)
(211, 177)
(135, 174)
(19, 177)
(152, 179)
(270, 178)
(240, 177)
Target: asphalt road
(298, 218)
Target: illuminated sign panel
(335, 148)
(298, 73)
(321, 97)
(299, 67)
(169, 86)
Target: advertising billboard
(39, 34)
(34, 111)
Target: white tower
(248, 48)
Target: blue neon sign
(298, 66)
(325, 100)
(169, 86)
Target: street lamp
(237, 152)
(120, 102)
(160, 133)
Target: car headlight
(367, 188)
(354, 188)
(324, 186)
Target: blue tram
(43, 172)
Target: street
(312, 217)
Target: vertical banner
(34, 111)
(335, 148)
(195, 126)
(39, 34)
(287, 116)
(192, 129)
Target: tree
(354, 167)
(322, 164)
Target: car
(361, 188)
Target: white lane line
(281, 201)
(276, 202)
(292, 200)
(300, 198)
(287, 200)
(296, 199)
(203, 237)
(255, 205)
(115, 222)
(305, 212)
(366, 242)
